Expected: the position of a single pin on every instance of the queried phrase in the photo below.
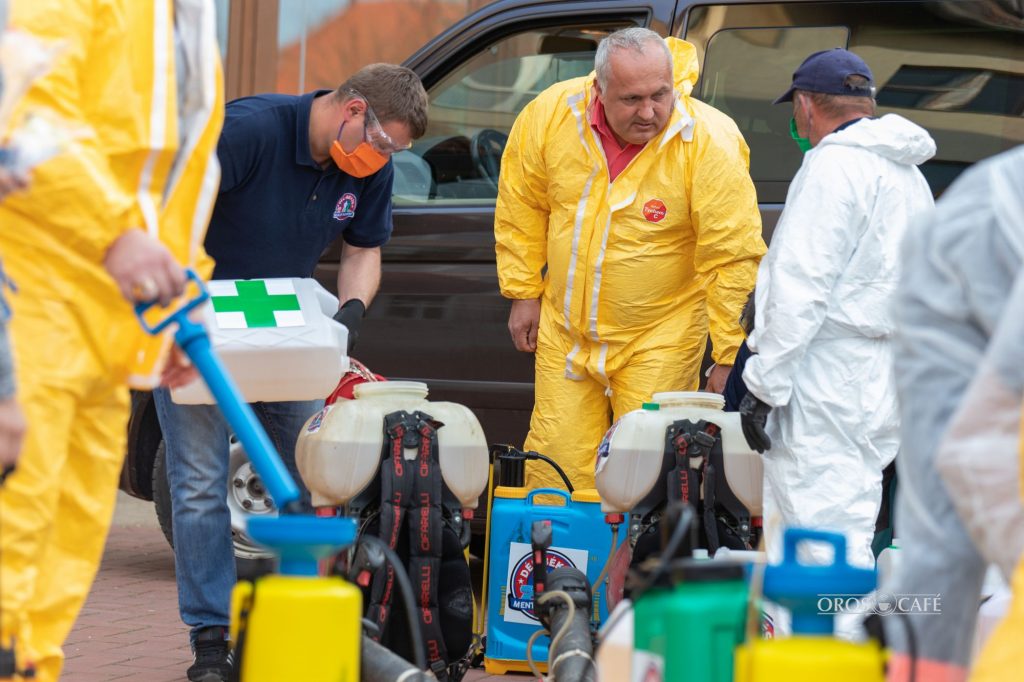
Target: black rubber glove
(351, 315)
(753, 417)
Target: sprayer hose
(556, 640)
(529, 652)
(608, 563)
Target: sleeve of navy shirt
(735, 389)
(371, 225)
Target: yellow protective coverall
(146, 110)
(637, 270)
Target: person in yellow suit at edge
(626, 226)
(111, 220)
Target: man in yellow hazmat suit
(112, 218)
(627, 226)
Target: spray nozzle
(540, 541)
(368, 559)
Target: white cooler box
(276, 337)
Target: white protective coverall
(823, 328)
(978, 457)
(959, 265)
(633, 274)
(139, 84)
(979, 460)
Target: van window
(472, 110)
(975, 90)
(954, 68)
(745, 70)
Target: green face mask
(802, 142)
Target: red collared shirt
(618, 156)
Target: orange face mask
(364, 160)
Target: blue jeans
(196, 441)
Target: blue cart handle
(183, 310)
(195, 342)
(794, 537)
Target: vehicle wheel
(245, 496)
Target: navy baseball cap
(827, 71)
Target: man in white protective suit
(821, 401)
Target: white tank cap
(710, 401)
(390, 389)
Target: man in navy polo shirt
(297, 173)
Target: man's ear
(805, 102)
(353, 109)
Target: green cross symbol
(255, 303)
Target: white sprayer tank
(339, 449)
(276, 337)
(630, 458)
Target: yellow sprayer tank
(297, 628)
(809, 659)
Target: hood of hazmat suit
(823, 329)
(633, 273)
(960, 263)
(138, 85)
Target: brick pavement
(129, 627)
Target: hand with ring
(144, 290)
(144, 269)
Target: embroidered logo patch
(655, 210)
(346, 206)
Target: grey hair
(636, 39)
(842, 105)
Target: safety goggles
(373, 131)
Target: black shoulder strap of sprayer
(412, 489)
(690, 445)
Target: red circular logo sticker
(655, 210)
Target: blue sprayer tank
(811, 653)
(580, 537)
(800, 587)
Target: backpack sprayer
(545, 571)
(410, 471)
(292, 625)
